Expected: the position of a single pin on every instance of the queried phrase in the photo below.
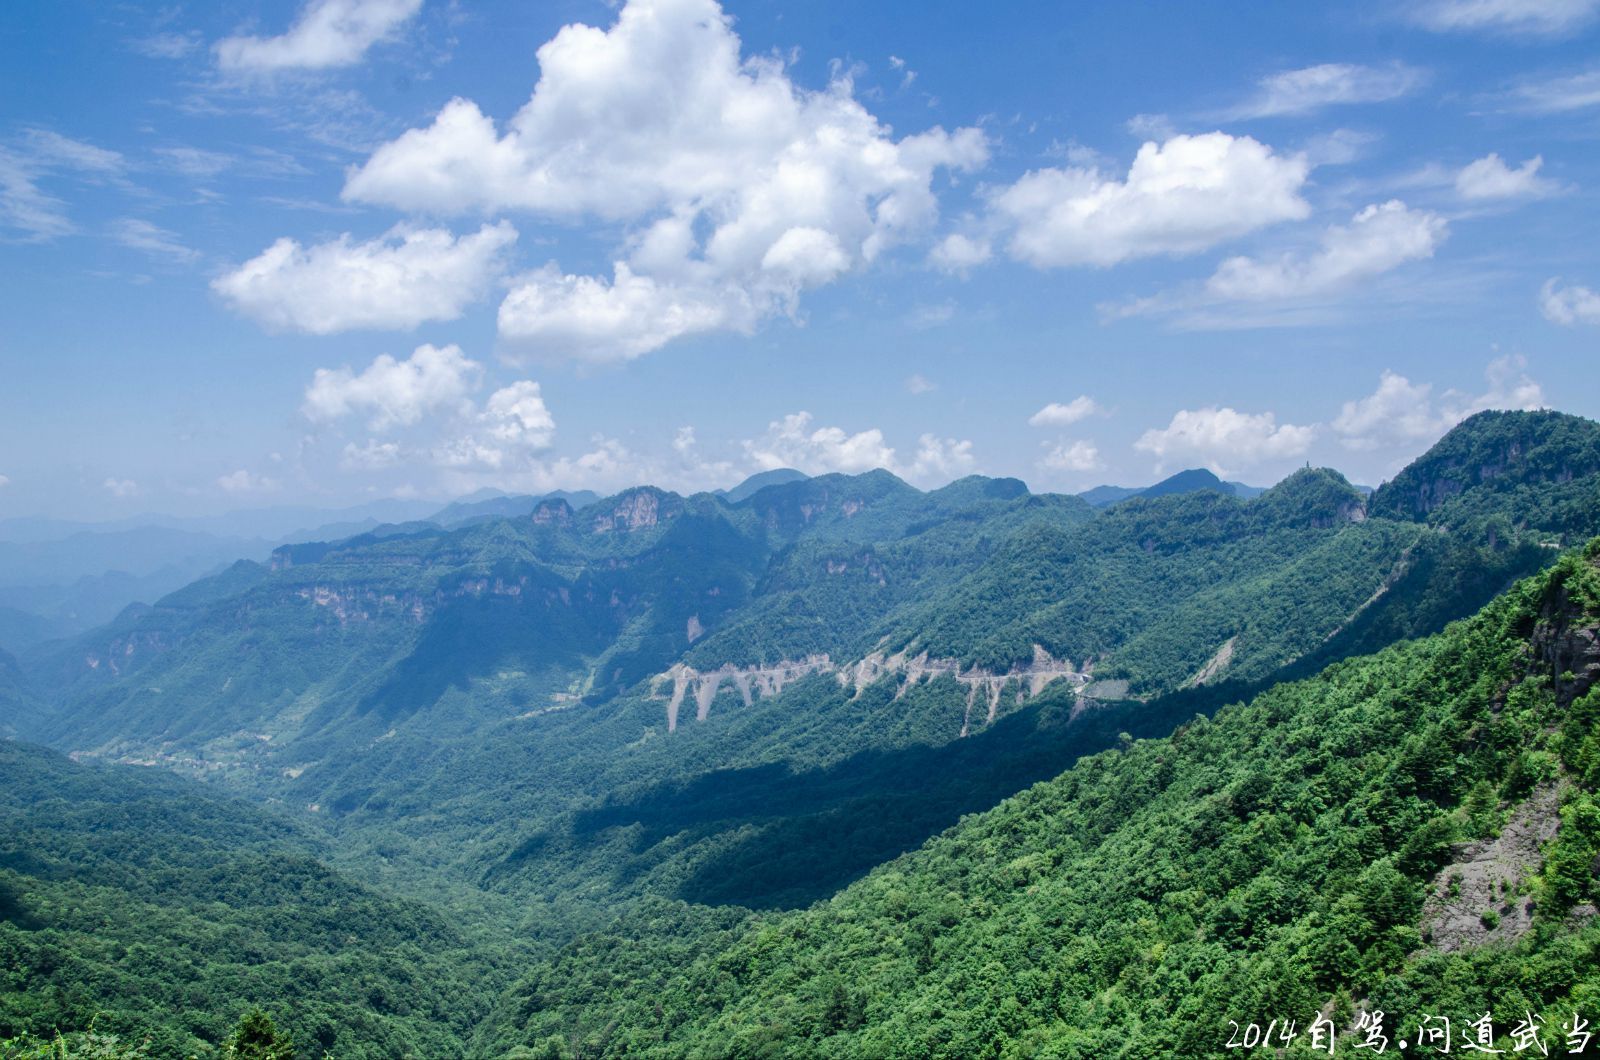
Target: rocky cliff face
(636, 509)
(552, 513)
(1567, 646)
(760, 682)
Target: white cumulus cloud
(1057, 414)
(243, 482)
(517, 415)
(373, 456)
(1510, 387)
(1223, 438)
(1075, 455)
(1490, 178)
(1179, 197)
(941, 459)
(121, 488)
(327, 33)
(1400, 413)
(616, 320)
(793, 442)
(958, 253)
(394, 393)
(1569, 304)
(397, 281)
(739, 189)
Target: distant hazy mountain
(505, 506)
(60, 577)
(270, 524)
(1182, 482)
(760, 480)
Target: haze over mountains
(60, 577)
(703, 715)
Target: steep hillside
(1412, 832)
(1081, 592)
(160, 911)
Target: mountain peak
(1188, 481)
(1197, 478)
(760, 480)
(1496, 450)
(1318, 496)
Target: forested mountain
(1368, 838)
(336, 644)
(680, 709)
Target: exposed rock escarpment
(637, 509)
(552, 513)
(766, 680)
(1477, 898)
(1567, 647)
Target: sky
(326, 251)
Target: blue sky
(261, 253)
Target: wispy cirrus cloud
(28, 212)
(1378, 239)
(326, 34)
(142, 235)
(1549, 18)
(1311, 88)
(1553, 95)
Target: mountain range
(834, 766)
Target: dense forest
(832, 766)
(1258, 865)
